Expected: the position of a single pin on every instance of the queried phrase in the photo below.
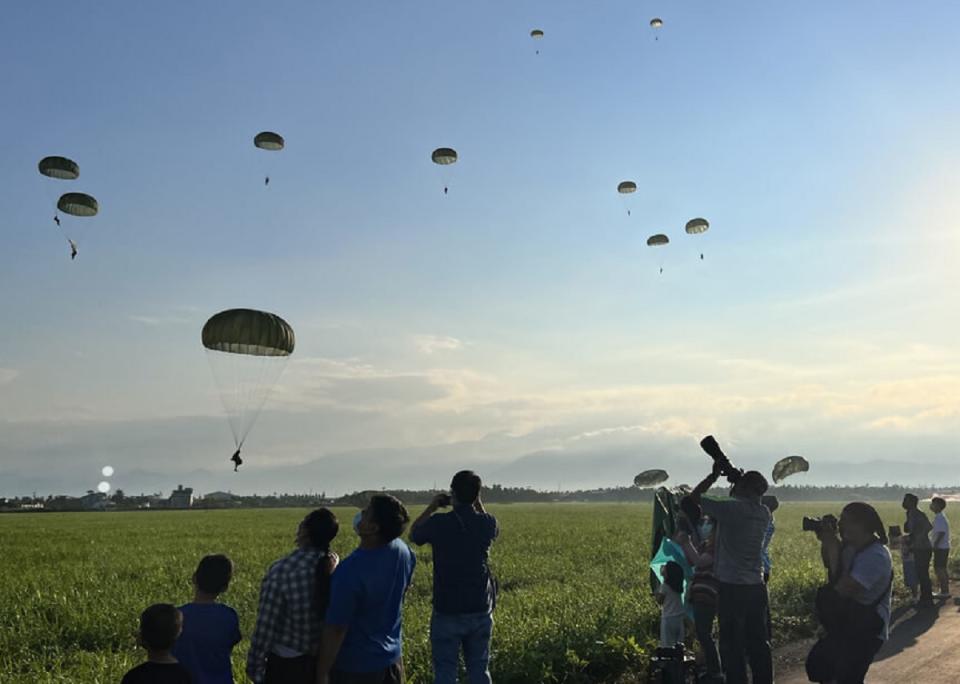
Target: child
(940, 539)
(160, 624)
(210, 629)
(670, 598)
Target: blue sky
(520, 318)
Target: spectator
(854, 607)
(362, 637)
(210, 629)
(702, 595)
(670, 598)
(160, 625)
(464, 591)
(742, 523)
(293, 599)
(917, 527)
(941, 545)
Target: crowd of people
(723, 575)
(323, 620)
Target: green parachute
(651, 478)
(247, 351)
(444, 157)
(788, 466)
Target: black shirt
(158, 673)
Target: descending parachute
(271, 142)
(444, 156)
(788, 466)
(248, 351)
(78, 204)
(658, 240)
(536, 34)
(697, 226)
(268, 140)
(656, 23)
(650, 478)
(61, 168)
(627, 188)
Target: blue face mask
(356, 522)
(706, 529)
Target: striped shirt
(287, 621)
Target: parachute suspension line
(245, 384)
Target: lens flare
(104, 487)
(107, 471)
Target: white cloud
(430, 344)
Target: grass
(574, 607)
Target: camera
(816, 524)
(727, 469)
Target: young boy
(210, 629)
(940, 538)
(160, 624)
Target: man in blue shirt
(464, 591)
(362, 634)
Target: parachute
(697, 226)
(268, 140)
(650, 478)
(78, 204)
(60, 168)
(536, 34)
(248, 351)
(788, 466)
(656, 23)
(443, 157)
(658, 240)
(626, 187)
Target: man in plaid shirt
(289, 621)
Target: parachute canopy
(246, 331)
(657, 240)
(78, 204)
(536, 33)
(626, 187)
(444, 156)
(267, 140)
(60, 168)
(788, 466)
(656, 22)
(650, 478)
(697, 226)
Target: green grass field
(575, 604)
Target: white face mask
(356, 522)
(706, 529)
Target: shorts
(940, 557)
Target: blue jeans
(448, 633)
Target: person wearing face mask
(293, 598)
(362, 632)
(702, 595)
(854, 607)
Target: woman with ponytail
(293, 599)
(854, 608)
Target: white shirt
(672, 603)
(941, 524)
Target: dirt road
(924, 648)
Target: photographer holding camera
(464, 590)
(854, 607)
(742, 522)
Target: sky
(518, 325)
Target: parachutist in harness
(237, 461)
(445, 190)
(701, 257)
(266, 181)
(56, 219)
(661, 270)
(73, 249)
